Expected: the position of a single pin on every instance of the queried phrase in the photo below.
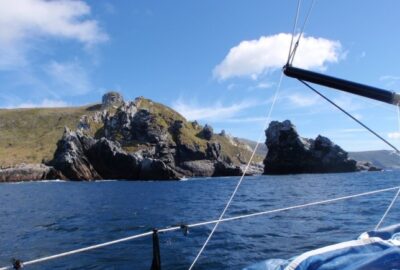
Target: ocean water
(43, 218)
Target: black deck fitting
(156, 263)
(17, 264)
(185, 229)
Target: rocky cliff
(288, 153)
(143, 140)
(139, 139)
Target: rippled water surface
(44, 218)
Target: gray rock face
(112, 99)
(289, 153)
(367, 166)
(70, 156)
(207, 132)
(81, 157)
(157, 147)
(210, 168)
(30, 172)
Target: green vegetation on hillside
(31, 135)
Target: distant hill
(384, 159)
(261, 149)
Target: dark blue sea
(43, 218)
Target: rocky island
(136, 140)
(288, 153)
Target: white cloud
(23, 22)
(254, 57)
(390, 80)
(349, 103)
(70, 76)
(20, 19)
(303, 100)
(394, 135)
(247, 120)
(389, 77)
(216, 112)
(46, 103)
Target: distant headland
(145, 140)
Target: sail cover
(372, 250)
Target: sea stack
(288, 153)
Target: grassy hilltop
(31, 135)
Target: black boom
(343, 85)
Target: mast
(343, 85)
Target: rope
(175, 228)
(294, 29)
(388, 210)
(292, 54)
(241, 178)
(351, 116)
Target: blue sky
(215, 61)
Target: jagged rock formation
(29, 172)
(112, 99)
(289, 153)
(118, 139)
(81, 157)
(143, 140)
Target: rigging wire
(176, 228)
(398, 192)
(388, 210)
(351, 116)
(290, 61)
(242, 177)
(294, 29)
(296, 45)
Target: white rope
(242, 177)
(174, 228)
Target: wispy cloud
(46, 103)
(22, 22)
(71, 76)
(250, 58)
(246, 120)
(299, 100)
(215, 112)
(394, 135)
(261, 85)
(390, 80)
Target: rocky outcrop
(289, 153)
(207, 132)
(30, 172)
(139, 140)
(367, 166)
(81, 157)
(70, 157)
(112, 99)
(159, 157)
